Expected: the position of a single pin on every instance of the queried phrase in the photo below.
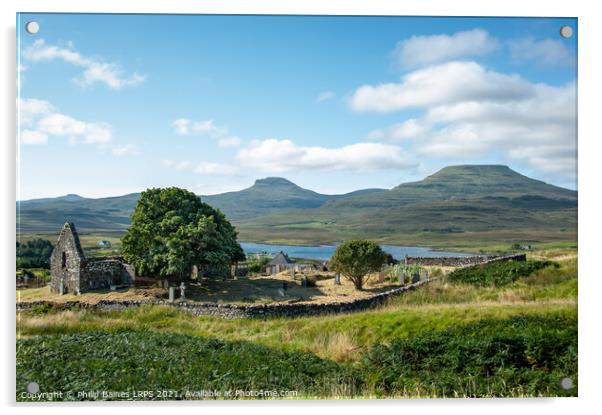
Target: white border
(590, 70)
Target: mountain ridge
(461, 198)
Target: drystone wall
(233, 311)
(462, 261)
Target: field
(444, 339)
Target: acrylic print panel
(314, 207)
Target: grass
(518, 356)
(443, 325)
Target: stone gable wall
(67, 271)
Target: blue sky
(113, 104)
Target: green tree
(172, 230)
(355, 259)
(34, 254)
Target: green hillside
(458, 204)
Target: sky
(114, 104)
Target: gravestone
(415, 277)
(402, 278)
(337, 279)
(182, 289)
(61, 288)
(381, 277)
(172, 294)
(293, 273)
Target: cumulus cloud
(273, 155)
(324, 95)
(447, 83)
(94, 70)
(409, 129)
(531, 123)
(42, 120)
(185, 127)
(39, 120)
(545, 51)
(426, 50)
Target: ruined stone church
(73, 272)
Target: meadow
(445, 339)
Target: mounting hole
(566, 31)
(566, 383)
(33, 387)
(32, 27)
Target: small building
(279, 263)
(104, 244)
(72, 272)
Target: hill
(271, 195)
(456, 205)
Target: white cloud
(39, 120)
(536, 127)
(545, 51)
(185, 127)
(64, 125)
(274, 155)
(94, 70)
(29, 109)
(203, 168)
(426, 50)
(33, 137)
(124, 150)
(325, 95)
(409, 129)
(442, 84)
(230, 141)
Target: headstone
(415, 277)
(182, 290)
(61, 288)
(113, 287)
(172, 294)
(337, 279)
(293, 273)
(381, 277)
(402, 278)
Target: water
(324, 252)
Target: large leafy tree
(355, 259)
(172, 230)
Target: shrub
(523, 354)
(497, 273)
(257, 262)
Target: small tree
(357, 258)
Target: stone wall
(66, 260)
(234, 311)
(462, 261)
(104, 272)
